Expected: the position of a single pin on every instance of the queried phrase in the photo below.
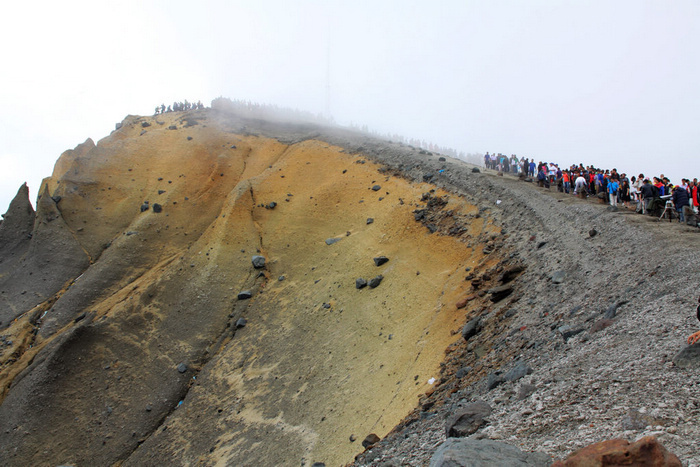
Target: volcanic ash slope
(143, 351)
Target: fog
(608, 83)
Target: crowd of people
(654, 196)
(178, 107)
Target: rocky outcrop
(68, 158)
(17, 225)
(51, 257)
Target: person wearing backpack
(680, 199)
(648, 194)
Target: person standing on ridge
(613, 186)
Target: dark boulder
(689, 357)
(511, 273)
(370, 440)
(494, 379)
(375, 281)
(499, 293)
(467, 452)
(258, 261)
(467, 420)
(520, 370)
(472, 328)
(379, 260)
(360, 283)
(245, 295)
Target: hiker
(625, 192)
(567, 180)
(613, 186)
(647, 193)
(580, 188)
(541, 177)
(680, 199)
(659, 186)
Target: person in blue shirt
(613, 186)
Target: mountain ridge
(147, 349)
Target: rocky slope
(586, 348)
(136, 328)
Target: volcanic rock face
(195, 289)
(126, 344)
(39, 256)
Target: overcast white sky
(610, 83)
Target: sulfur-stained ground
(93, 372)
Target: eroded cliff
(137, 345)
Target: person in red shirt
(659, 186)
(567, 181)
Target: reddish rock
(617, 452)
(370, 440)
(463, 302)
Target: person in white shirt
(580, 188)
